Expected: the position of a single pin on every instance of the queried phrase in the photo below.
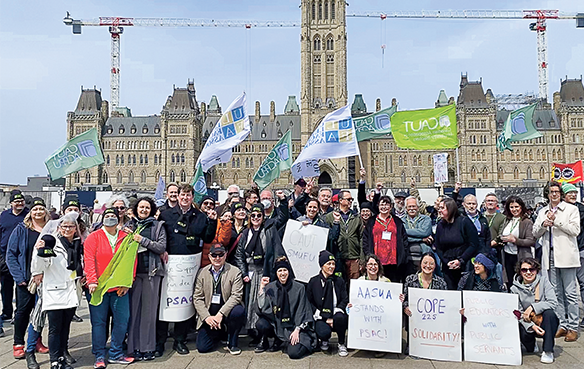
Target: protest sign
(441, 168)
(435, 324)
(375, 316)
(176, 297)
(302, 245)
(491, 332)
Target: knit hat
(324, 257)
(486, 261)
(366, 205)
(16, 195)
(257, 207)
(235, 206)
(112, 211)
(205, 198)
(71, 201)
(568, 187)
(282, 264)
(38, 201)
(47, 250)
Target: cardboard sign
(435, 324)
(302, 245)
(375, 316)
(491, 332)
(178, 284)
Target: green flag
(120, 270)
(280, 158)
(374, 125)
(426, 129)
(80, 152)
(199, 184)
(518, 127)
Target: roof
(214, 106)
(543, 119)
(139, 123)
(572, 92)
(263, 129)
(358, 107)
(471, 94)
(291, 106)
(442, 99)
(183, 100)
(89, 102)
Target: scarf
(327, 297)
(283, 303)
(73, 254)
(254, 247)
(475, 220)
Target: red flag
(568, 173)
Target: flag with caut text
(518, 127)
(425, 129)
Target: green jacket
(349, 241)
(495, 223)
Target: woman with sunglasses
(537, 303)
(313, 217)
(257, 250)
(121, 204)
(239, 222)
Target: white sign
(178, 284)
(302, 245)
(491, 331)
(435, 324)
(441, 168)
(305, 169)
(375, 321)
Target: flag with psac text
(279, 158)
(230, 131)
(425, 129)
(80, 152)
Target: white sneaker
(343, 350)
(547, 357)
(324, 346)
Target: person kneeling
(285, 314)
(218, 301)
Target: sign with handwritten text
(176, 296)
(302, 245)
(375, 321)
(491, 331)
(435, 324)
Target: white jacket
(59, 283)
(564, 232)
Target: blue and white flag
(159, 194)
(333, 138)
(230, 131)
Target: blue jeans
(32, 338)
(120, 307)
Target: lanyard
(412, 223)
(514, 225)
(386, 226)
(421, 284)
(216, 282)
(491, 220)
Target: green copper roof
(358, 106)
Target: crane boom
(176, 22)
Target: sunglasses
(530, 270)
(350, 199)
(219, 255)
(208, 203)
(256, 216)
(120, 207)
(232, 193)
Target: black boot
(68, 358)
(262, 346)
(277, 346)
(63, 364)
(31, 362)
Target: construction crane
(116, 28)
(540, 17)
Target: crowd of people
(246, 284)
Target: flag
(570, 173)
(199, 184)
(374, 125)
(333, 138)
(518, 127)
(159, 194)
(231, 129)
(425, 129)
(279, 158)
(80, 152)
(120, 270)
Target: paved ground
(568, 355)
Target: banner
(199, 184)
(435, 324)
(333, 138)
(306, 169)
(491, 331)
(440, 168)
(178, 285)
(570, 173)
(302, 245)
(374, 125)
(230, 131)
(518, 127)
(279, 158)
(427, 129)
(375, 318)
(80, 152)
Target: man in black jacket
(480, 222)
(187, 228)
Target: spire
(358, 107)
(291, 106)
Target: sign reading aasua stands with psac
(427, 129)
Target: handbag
(537, 319)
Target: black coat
(403, 246)
(315, 293)
(186, 240)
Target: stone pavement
(568, 355)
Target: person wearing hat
(218, 299)
(257, 249)
(483, 277)
(571, 197)
(285, 314)
(327, 294)
(100, 247)
(18, 257)
(222, 233)
(8, 220)
(366, 211)
(399, 210)
(368, 199)
(72, 204)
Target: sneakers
(343, 350)
(324, 346)
(77, 319)
(234, 350)
(99, 363)
(547, 357)
(18, 351)
(123, 360)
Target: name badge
(216, 299)
(386, 235)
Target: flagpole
(457, 166)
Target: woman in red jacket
(99, 249)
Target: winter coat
(16, 254)
(349, 241)
(526, 292)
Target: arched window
(117, 160)
(333, 9)
(473, 155)
(141, 159)
(247, 162)
(76, 177)
(107, 160)
(501, 173)
(172, 160)
(104, 177)
(232, 162)
(146, 159)
(473, 173)
(87, 177)
(183, 176)
(418, 177)
(182, 158)
(155, 159)
(542, 173)
(529, 173)
(134, 160)
(319, 10)
(131, 177)
(119, 177)
(403, 176)
(325, 9)
(316, 43)
(122, 159)
(251, 162)
(485, 173)
(143, 177)
(129, 159)
(330, 43)
(313, 10)
(400, 161)
(238, 163)
(516, 173)
(172, 176)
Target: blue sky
(43, 65)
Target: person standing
(171, 197)
(557, 226)
(480, 222)
(418, 229)
(494, 218)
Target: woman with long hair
(313, 217)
